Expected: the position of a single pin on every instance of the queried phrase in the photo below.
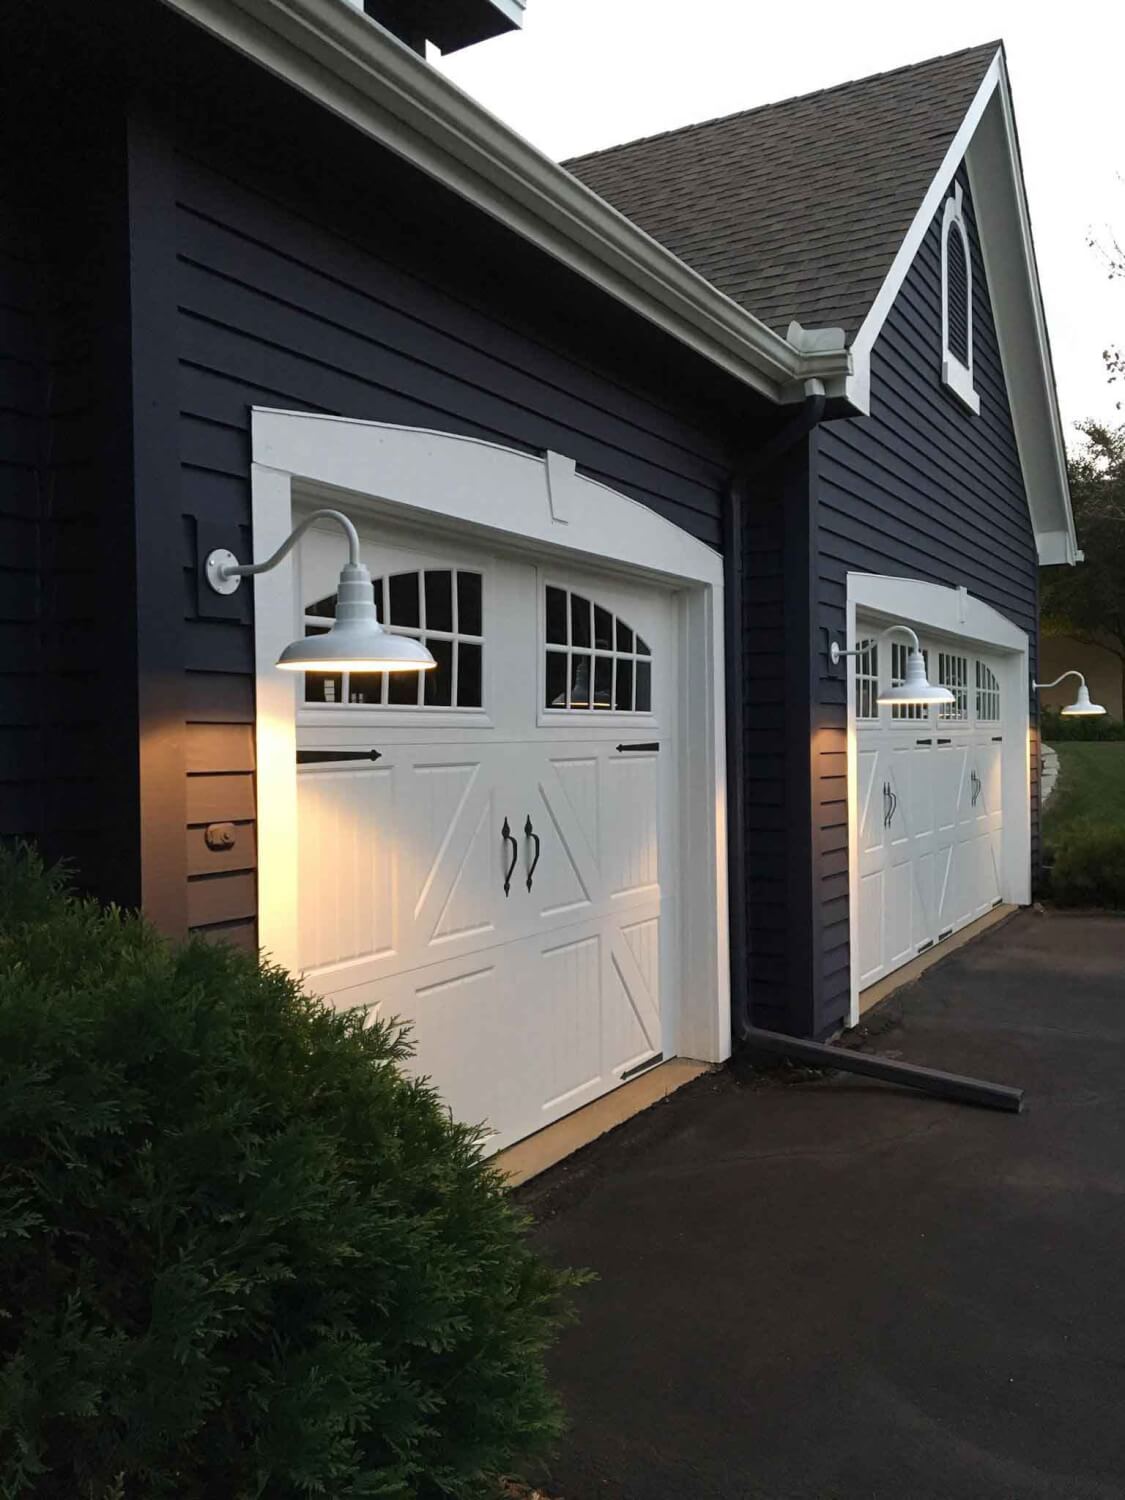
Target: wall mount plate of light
(356, 641)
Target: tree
(1088, 601)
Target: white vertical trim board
(530, 504)
(959, 615)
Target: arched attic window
(957, 303)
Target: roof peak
(986, 49)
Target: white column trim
(533, 503)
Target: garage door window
(867, 680)
(953, 673)
(595, 661)
(988, 694)
(908, 711)
(442, 607)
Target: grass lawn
(1091, 786)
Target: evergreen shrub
(1087, 866)
(241, 1252)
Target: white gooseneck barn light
(1081, 704)
(916, 688)
(356, 641)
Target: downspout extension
(808, 415)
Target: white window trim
(534, 504)
(956, 375)
(974, 625)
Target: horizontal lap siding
(920, 489)
(314, 272)
(64, 695)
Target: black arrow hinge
(318, 757)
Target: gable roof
(796, 210)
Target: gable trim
(351, 66)
(859, 385)
(987, 142)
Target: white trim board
(956, 613)
(987, 142)
(351, 66)
(539, 505)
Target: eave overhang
(353, 67)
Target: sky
(584, 74)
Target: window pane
(438, 685)
(403, 687)
(404, 601)
(322, 687)
(439, 600)
(603, 681)
(468, 675)
(469, 604)
(325, 609)
(579, 620)
(555, 693)
(377, 585)
(624, 637)
(580, 681)
(623, 691)
(603, 628)
(365, 687)
(642, 648)
(644, 687)
(556, 616)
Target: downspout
(807, 416)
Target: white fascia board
(350, 65)
(987, 141)
(1008, 251)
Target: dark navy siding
(306, 268)
(67, 730)
(923, 489)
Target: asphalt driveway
(837, 1289)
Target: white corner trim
(410, 474)
(353, 67)
(954, 612)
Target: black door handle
(531, 834)
(509, 838)
(894, 804)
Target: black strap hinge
(318, 757)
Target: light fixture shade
(916, 688)
(1082, 704)
(356, 642)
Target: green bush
(1087, 866)
(1054, 726)
(241, 1253)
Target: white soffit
(987, 142)
(349, 64)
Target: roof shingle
(797, 209)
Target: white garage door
(930, 801)
(497, 874)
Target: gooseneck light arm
(224, 571)
(1065, 675)
(836, 655)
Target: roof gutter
(350, 65)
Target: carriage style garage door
(931, 800)
(485, 850)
